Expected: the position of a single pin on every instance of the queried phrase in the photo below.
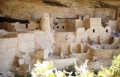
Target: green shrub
(70, 68)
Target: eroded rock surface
(33, 9)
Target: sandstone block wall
(8, 27)
(41, 54)
(33, 26)
(102, 53)
(116, 41)
(60, 27)
(113, 24)
(78, 24)
(86, 24)
(45, 23)
(8, 50)
(118, 23)
(10, 35)
(110, 47)
(57, 49)
(65, 49)
(75, 48)
(83, 56)
(62, 63)
(80, 33)
(70, 25)
(61, 37)
(19, 27)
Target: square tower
(95, 22)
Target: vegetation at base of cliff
(113, 70)
(46, 69)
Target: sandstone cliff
(33, 9)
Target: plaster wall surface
(8, 50)
(42, 41)
(50, 39)
(26, 42)
(95, 22)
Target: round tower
(45, 23)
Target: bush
(113, 70)
(46, 69)
(70, 68)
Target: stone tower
(45, 23)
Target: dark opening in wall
(93, 30)
(106, 30)
(53, 27)
(11, 20)
(26, 26)
(36, 28)
(82, 18)
(63, 27)
(55, 23)
(57, 26)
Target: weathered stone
(25, 67)
(41, 54)
(8, 49)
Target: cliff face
(33, 9)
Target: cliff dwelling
(62, 32)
